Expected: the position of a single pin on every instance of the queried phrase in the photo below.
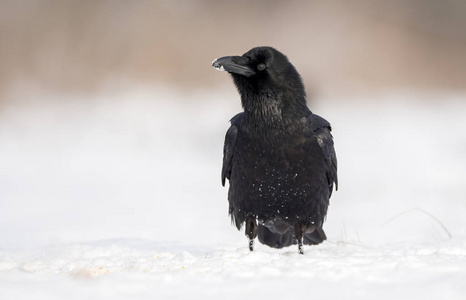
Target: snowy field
(118, 196)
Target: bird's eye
(261, 67)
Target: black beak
(233, 64)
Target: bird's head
(265, 78)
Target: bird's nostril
(217, 66)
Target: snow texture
(119, 197)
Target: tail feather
(315, 237)
(268, 237)
(275, 240)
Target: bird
(278, 156)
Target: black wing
(322, 131)
(229, 147)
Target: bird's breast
(278, 175)
(278, 160)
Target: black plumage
(278, 156)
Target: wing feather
(322, 131)
(229, 147)
(228, 150)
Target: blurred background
(338, 46)
(112, 119)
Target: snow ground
(119, 197)
(123, 269)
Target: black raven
(278, 155)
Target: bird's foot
(299, 230)
(300, 246)
(251, 231)
(251, 244)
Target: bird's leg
(251, 244)
(299, 230)
(251, 231)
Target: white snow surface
(118, 196)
